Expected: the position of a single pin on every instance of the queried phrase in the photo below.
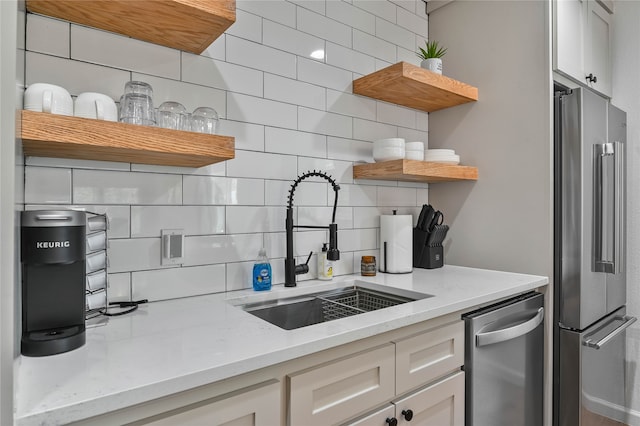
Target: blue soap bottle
(262, 272)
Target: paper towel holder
(383, 265)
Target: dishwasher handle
(497, 336)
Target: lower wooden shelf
(51, 135)
(415, 171)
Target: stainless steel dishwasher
(504, 353)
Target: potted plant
(431, 56)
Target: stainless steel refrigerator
(590, 263)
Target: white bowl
(386, 154)
(414, 155)
(389, 143)
(439, 152)
(416, 146)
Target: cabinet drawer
(258, 405)
(441, 404)
(338, 390)
(423, 358)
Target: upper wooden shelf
(51, 135)
(411, 86)
(190, 25)
(415, 171)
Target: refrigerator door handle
(608, 208)
(497, 336)
(600, 343)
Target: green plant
(433, 50)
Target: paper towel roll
(396, 232)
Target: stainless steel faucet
(290, 267)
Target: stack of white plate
(388, 149)
(446, 156)
(414, 151)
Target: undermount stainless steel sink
(301, 311)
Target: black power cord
(133, 305)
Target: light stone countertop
(172, 346)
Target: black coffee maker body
(53, 281)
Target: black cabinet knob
(592, 78)
(392, 421)
(408, 415)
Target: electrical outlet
(172, 246)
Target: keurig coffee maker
(53, 281)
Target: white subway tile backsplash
(247, 26)
(263, 58)
(396, 197)
(213, 249)
(191, 96)
(217, 169)
(77, 164)
(274, 10)
(344, 57)
(286, 141)
(105, 187)
(262, 165)
(308, 193)
(324, 75)
(349, 149)
(325, 28)
(312, 120)
(405, 55)
(414, 23)
(242, 219)
(371, 130)
(321, 216)
(358, 239)
(395, 34)
(178, 282)
(204, 190)
(247, 136)
(340, 171)
(294, 92)
(119, 287)
(261, 111)
(47, 35)
(72, 75)
(394, 114)
(291, 40)
(353, 105)
(289, 114)
(366, 217)
(356, 195)
(149, 221)
(376, 47)
(410, 135)
(222, 75)
(136, 254)
(123, 52)
(383, 9)
(45, 185)
(352, 16)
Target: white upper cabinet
(581, 42)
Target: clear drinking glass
(204, 120)
(172, 115)
(136, 108)
(138, 87)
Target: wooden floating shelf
(190, 25)
(411, 86)
(51, 135)
(414, 171)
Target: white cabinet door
(598, 54)
(381, 417)
(440, 404)
(255, 406)
(569, 37)
(338, 390)
(423, 358)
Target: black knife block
(428, 256)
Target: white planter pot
(432, 64)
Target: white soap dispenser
(325, 266)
